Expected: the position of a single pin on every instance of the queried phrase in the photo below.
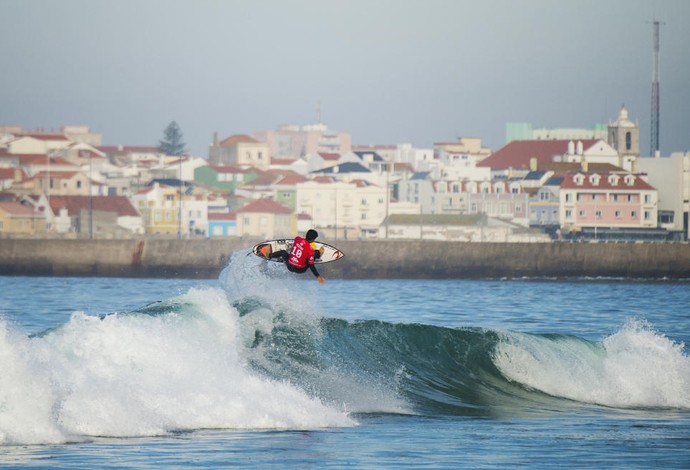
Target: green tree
(172, 143)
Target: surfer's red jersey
(301, 254)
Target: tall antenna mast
(654, 148)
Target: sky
(388, 71)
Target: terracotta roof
(517, 154)
(571, 167)
(283, 161)
(222, 216)
(268, 206)
(56, 174)
(10, 173)
(42, 136)
(74, 204)
(41, 159)
(291, 180)
(238, 139)
(303, 216)
(17, 209)
(604, 184)
(361, 183)
(323, 179)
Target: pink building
(607, 200)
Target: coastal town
(543, 185)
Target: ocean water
(266, 369)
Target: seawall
(363, 259)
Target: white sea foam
(140, 374)
(634, 368)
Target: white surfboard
(328, 253)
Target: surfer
(301, 256)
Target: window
(582, 213)
(628, 140)
(647, 198)
(568, 214)
(598, 214)
(633, 214)
(647, 215)
(618, 214)
(78, 184)
(568, 197)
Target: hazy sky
(388, 71)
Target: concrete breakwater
(380, 259)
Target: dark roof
(348, 167)
(376, 156)
(535, 175)
(420, 175)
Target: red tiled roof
(56, 174)
(9, 174)
(268, 206)
(517, 154)
(283, 161)
(638, 184)
(42, 136)
(303, 216)
(222, 216)
(323, 179)
(15, 208)
(361, 183)
(291, 179)
(238, 139)
(74, 204)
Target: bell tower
(624, 135)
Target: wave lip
(634, 368)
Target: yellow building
(159, 206)
(16, 218)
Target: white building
(343, 209)
(671, 177)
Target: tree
(172, 143)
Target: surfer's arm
(316, 274)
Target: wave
(235, 357)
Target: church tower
(624, 136)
